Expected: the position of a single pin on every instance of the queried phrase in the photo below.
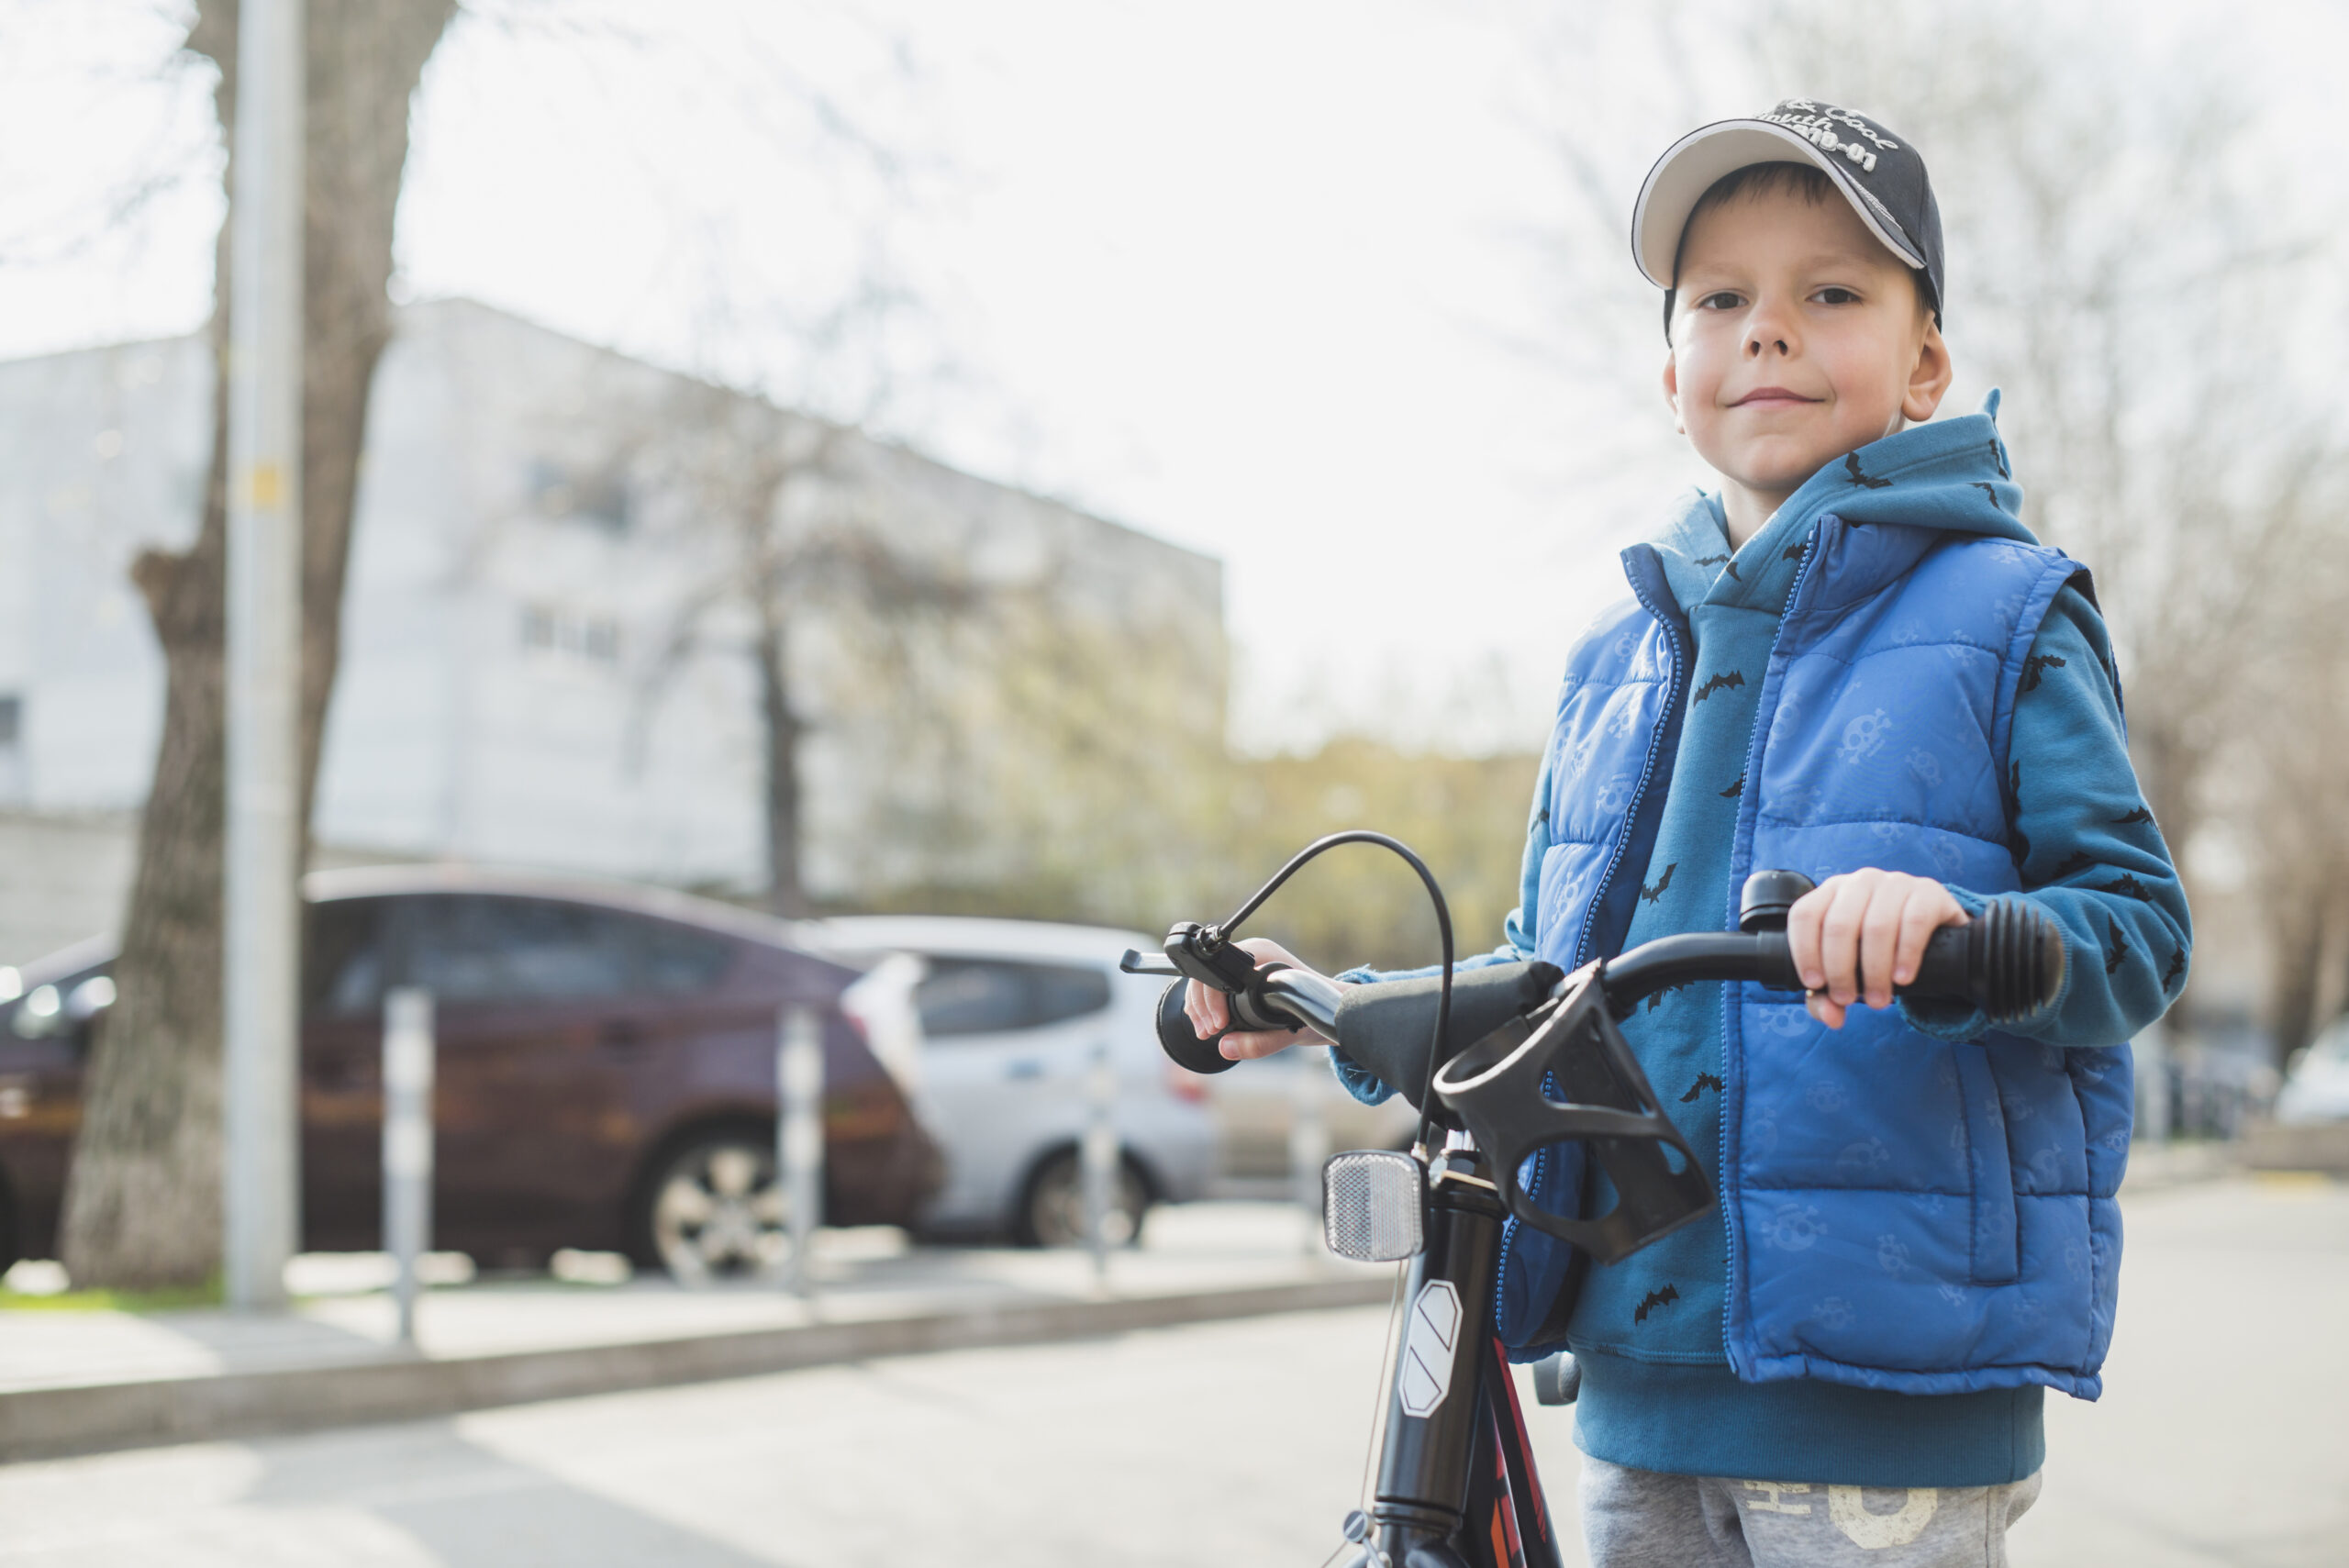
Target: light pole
(259, 926)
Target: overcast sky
(1257, 275)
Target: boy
(1854, 661)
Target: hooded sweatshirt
(1658, 1390)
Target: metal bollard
(2156, 1106)
(408, 1145)
(1098, 1157)
(799, 1136)
(1308, 1140)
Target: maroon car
(606, 1075)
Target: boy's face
(1797, 338)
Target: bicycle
(1543, 1065)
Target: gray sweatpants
(1638, 1519)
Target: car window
(963, 996)
(485, 948)
(677, 961)
(342, 957)
(50, 1009)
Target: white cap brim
(1689, 167)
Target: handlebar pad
(1388, 1028)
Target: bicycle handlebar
(2009, 962)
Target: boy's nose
(1769, 330)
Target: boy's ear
(1929, 378)
(1672, 391)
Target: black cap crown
(1879, 173)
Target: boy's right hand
(1867, 922)
(1209, 1011)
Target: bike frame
(1456, 1482)
(1457, 1485)
(1456, 1468)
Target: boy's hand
(1209, 1011)
(1865, 923)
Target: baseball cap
(1879, 173)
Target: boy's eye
(1832, 296)
(1722, 299)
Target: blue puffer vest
(1903, 1213)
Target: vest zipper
(1734, 1074)
(1676, 691)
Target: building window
(547, 630)
(598, 497)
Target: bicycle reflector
(1562, 1077)
(1371, 1202)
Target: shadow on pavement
(468, 1507)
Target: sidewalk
(73, 1382)
(76, 1381)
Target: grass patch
(167, 1298)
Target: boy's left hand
(1865, 923)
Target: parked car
(2316, 1087)
(1257, 1108)
(1010, 1014)
(605, 1073)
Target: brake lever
(1198, 953)
(1194, 952)
(1202, 954)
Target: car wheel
(1051, 1210)
(715, 1211)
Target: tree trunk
(143, 1203)
(786, 895)
(2168, 772)
(2299, 959)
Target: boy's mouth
(1772, 398)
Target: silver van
(1000, 1022)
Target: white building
(513, 687)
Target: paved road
(2222, 1443)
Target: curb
(2320, 1146)
(37, 1423)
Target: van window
(963, 995)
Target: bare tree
(143, 1201)
(2136, 277)
(2084, 207)
(765, 504)
(1031, 732)
(2123, 263)
(1107, 785)
(2290, 714)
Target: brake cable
(1256, 901)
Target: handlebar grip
(2008, 962)
(1183, 1046)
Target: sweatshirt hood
(1952, 475)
